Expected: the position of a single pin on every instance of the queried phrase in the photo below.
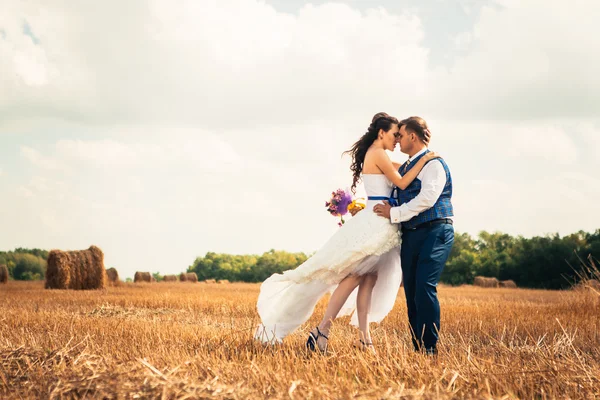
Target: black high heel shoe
(311, 343)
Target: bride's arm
(382, 160)
(396, 165)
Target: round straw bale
(142, 277)
(508, 284)
(593, 283)
(588, 284)
(210, 281)
(3, 274)
(182, 277)
(483, 281)
(191, 277)
(170, 278)
(78, 270)
(113, 276)
(223, 281)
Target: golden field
(194, 340)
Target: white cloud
(30, 65)
(205, 151)
(40, 160)
(24, 192)
(243, 63)
(526, 60)
(591, 137)
(543, 141)
(235, 63)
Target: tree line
(25, 264)
(550, 261)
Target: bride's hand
(354, 211)
(427, 135)
(431, 155)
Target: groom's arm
(433, 181)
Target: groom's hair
(418, 126)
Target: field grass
(184, 340)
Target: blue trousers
(423, 255)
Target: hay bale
(3, 274)
(508, 284)
(113, 276)
(77, 270)
(223, 281)
(588, 284)
(210, 281)
(189, 277)
(142, 277)
(485, 282)
(593, 283)
(170, 278)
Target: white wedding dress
(366, 243)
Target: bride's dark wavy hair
(359, 149)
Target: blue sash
(393, 202)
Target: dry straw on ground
(508, 284)
(210, 281)
(113, 276)
(170, 278)
(188, 277)
(195, 341)
(482, 281)
(78, 270)
(142, 277)
(3, 274)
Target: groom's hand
(383, 210)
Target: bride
(361, 261)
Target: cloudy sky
(160, 130)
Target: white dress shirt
(433, 180)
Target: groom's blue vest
(442, 207)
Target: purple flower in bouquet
(339, 203)
(344, 201)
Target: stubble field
(184, 340)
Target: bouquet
(341, 202)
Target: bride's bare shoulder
(373, 161)
(375, 153)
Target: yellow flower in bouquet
(357, 204)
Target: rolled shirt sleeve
(433, 180)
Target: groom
(424, 214)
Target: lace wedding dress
(366, 243)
